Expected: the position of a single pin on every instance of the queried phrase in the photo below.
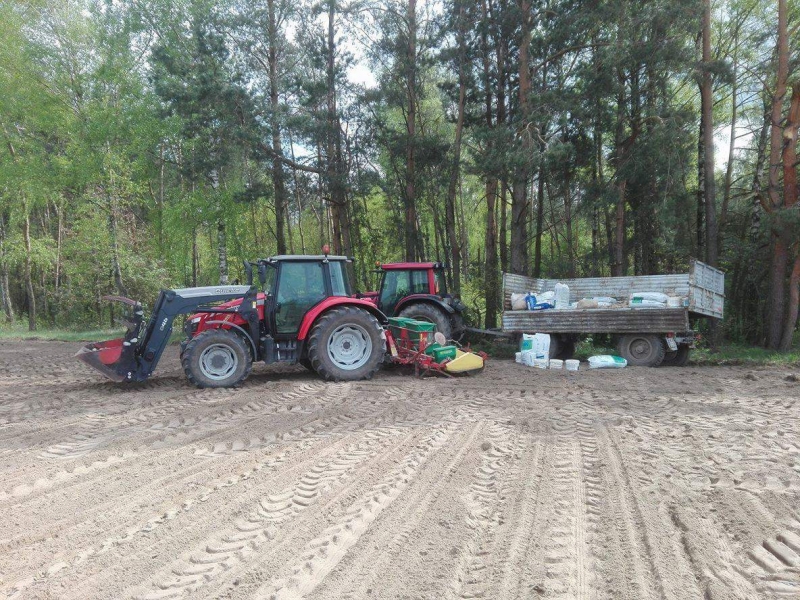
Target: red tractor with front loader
(305, 314)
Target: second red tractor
(417, 290)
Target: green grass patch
(744, 355)
(19, 331)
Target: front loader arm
(134, 357)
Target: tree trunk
(521, 176)
(537, 247)
(701, 192)
(5, 292)
(411, 118)
(707, 116)
(222, 247)
(790, 198)
(452, 188)
(297, 199)
(116, 269)
(778, 265)
(28, 271)
(501, 53)
(618, 264)
(568, 221)
(278, 182)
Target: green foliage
(135, 134)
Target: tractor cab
(419, 291)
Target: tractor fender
(427, 298)
(334, 302)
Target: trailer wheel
(679, 358)
(346, 344)
(422, 311)
(642, 350)
(216, 358)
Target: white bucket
(572, 364)
(541, 363)
(518, 357)
(556, 364)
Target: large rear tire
(216, 358)
(346, 344)
(423, 311)
(642, 349)
(679, 358)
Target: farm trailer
(646, 336)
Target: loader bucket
(107, 357)
(115, 358)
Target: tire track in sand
(323, 553)
(113, 542)
(261, 525)
(395, 530)
(471, 577)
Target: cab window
(339, 282)
(419, 282)
(439, 280)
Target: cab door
(395, 286)
(300, 286)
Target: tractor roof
(306, 257)
(411, 265)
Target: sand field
(516, 483)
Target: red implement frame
(406, 351)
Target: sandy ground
(516, 483)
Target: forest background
(158, 143)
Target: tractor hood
(198, 319)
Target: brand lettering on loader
(163, 324)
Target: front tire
(642, 350)
(216, 358)
(423, 311)
(346, 344)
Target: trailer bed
(606, 320)
(703, 287)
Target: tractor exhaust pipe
(116, 359)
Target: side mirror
(248, 270)
(262, 273)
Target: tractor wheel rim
(349, 347)
(640, 348)
(218, 362)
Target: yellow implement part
(463, 362)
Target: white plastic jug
(562, 296)
(541, 345)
